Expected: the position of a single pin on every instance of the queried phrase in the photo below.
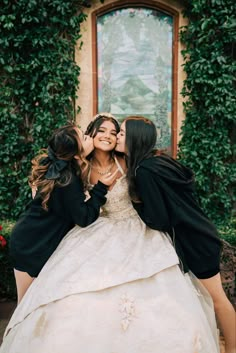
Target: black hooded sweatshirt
(168, 204)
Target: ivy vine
(39, 79)
(208, 132)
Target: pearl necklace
(107, 171)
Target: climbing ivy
(39, 79)
(208, 132)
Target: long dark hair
(140, 140)
(62, 148)
(94, 125)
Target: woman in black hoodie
(162, 191)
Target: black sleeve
(152, 209)
(78, 210)
(200, 249)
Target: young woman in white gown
(114, 286)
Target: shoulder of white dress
(119, 165)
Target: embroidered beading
(127, 309)
(197, 344)
(118, 205)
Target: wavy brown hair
(65, 145)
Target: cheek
(95, 139)
(114, 139)
(122, 140)
(80, 144)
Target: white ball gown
(113, 287)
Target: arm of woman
(78, 210)
(224, 311)
(152, 209)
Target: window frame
(152, 5)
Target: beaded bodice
(118, 203)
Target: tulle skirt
(113, 287)
(159, 314)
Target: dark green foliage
(228, 232)
(208, 133)
(38, 86)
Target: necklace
(103, 172)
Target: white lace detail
(127, 309)
(197, 344)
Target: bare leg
(224, 310)
(23, 281)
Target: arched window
(134, 63)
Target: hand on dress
(109, 178)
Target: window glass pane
(134, 51)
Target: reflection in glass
(134, 50)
